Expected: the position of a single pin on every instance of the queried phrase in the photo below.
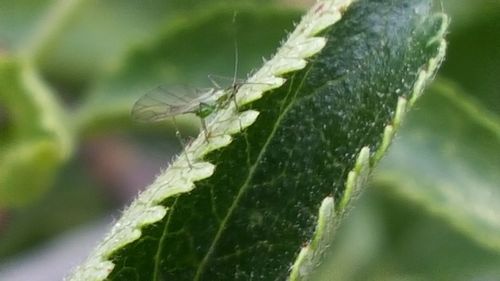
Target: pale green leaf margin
(190, 167)
(312, 254)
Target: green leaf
(34, 137)
(196, 44)
(447, 161)
(258, 199)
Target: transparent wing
(164, 102)
(230, 83)
(224, 82)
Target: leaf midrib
(246, 183)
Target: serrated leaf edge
(189, 167)
(329, 216)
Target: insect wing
(225, 82)
(162, 103)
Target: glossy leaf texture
(250, 219)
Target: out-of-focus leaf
(473, 59)
(385, 238)
(101, 32)
(465, 13)
(188, 49)
(448, 160)
(17, 19)
(96, 36)
(74, 199)
(34, 136)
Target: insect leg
(179, 138)
(212, 80)
(203, 124)
(204, 128)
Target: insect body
(163, 103)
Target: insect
(167, 102)
(164, 103)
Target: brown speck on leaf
(319, 9)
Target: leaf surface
(263, 200)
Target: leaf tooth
(257, 85)
(235, 123)
(280, 65)
(318, 25)
(322, 15)
(124, 233)
(99, 269)
(401, 109)
(311, 254)
(303, 49)
(429, 71)
(387, 136)
(178, 178)
(356, 178)
(205, 144)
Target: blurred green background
(71, 158)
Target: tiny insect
(167, 102)
(163, 103)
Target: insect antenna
(235, 86)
